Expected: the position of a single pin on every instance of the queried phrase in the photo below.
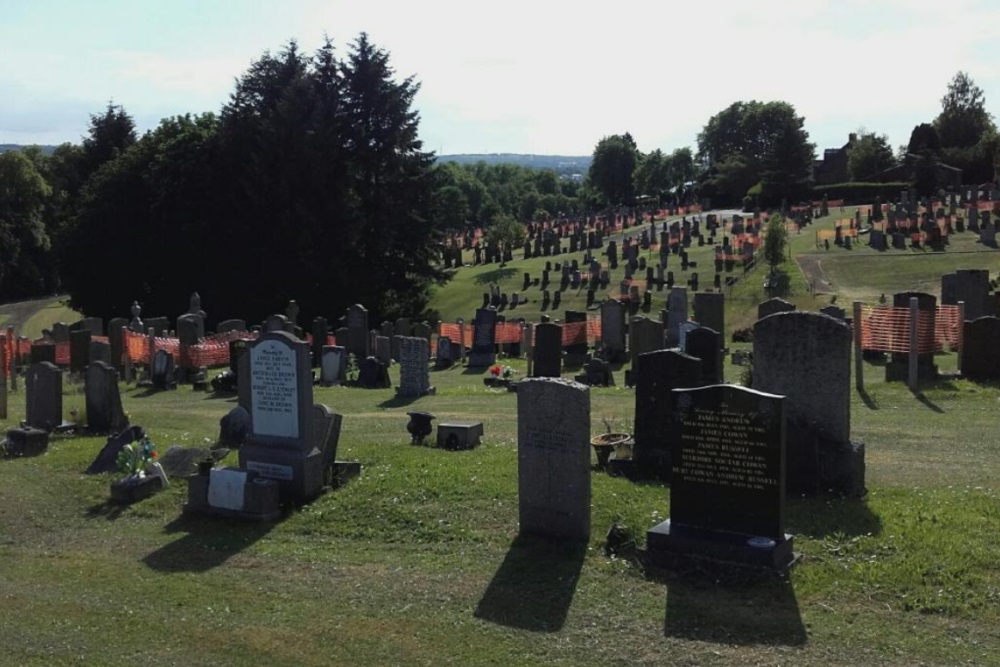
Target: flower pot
(603, 452)
(605, 443)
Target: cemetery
(823, 492)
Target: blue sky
(546, 77)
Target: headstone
(288, 434)
(971, 286)
(320, 330)
(677, 313)
(373, 374)
(356, 340)
(644, 335)
(613, 330)
(658, 373)
(576, 353)
(103, 402)
(807, 357)
(79, 350)
(727, 490)
(162, 372)
(445, 354)
(483, 338)
(547, 351)
(414, 362)
(95, 325)
(836, 312)
(897, 368)
(226, 326)
(980, 351)
(383, 350)
(772, 306)
(333, 365)
(596, 373)
(710, 311)
(43, 396)
(553, 458)
(706, 344)
(43, 352)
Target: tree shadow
(207, 543)
(824, 516)
(534, 586)
(726, 605)
(495, 276)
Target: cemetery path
(812, 267)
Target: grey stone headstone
(414, 371)
(807, 358)
(483, 338)
(980, 349)
(645, 335)
(100, 351)
(356, 341)
(658, 373)
(234, 427)
(383, 350)
(677, 313)
(276, 322)
(190, 329)
(553, 458)
(333, 365)
(971, 286)
(60, 332)
(79, 350)
(162, 371)
(95, 325)
(104, 403)
(43, 396)
(710, 311)
(613, 329)
(772, 306)
(706, 344)
(548, 350)
(320, 330)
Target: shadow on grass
(206, 543)
(534, 586)
(867, 400)
(109, 510)
(495, 276)
(922, 398)
(733, 607)
(820, 517)
(399, 401)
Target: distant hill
(563, 164)
(16, 147)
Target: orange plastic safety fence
(887, 329)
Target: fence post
(3, 377)
(12, 342)
(461, 337)
(859, 367)
(914, 316)
(960, 334)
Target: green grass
(417, 561)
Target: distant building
(833, 167)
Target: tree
(612, 168)
(652, 175)
(23, 240)
(506, 232)
(775, 241)
(729, 179)
(963, 119)
(924, 137)
(788, 165)
(682, 168)
(868, 156)
(770, 139)
(110, 134)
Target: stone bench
(459, 435)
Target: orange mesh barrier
(508, 332)
(887, 329)
(947, 326)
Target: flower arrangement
(135, 457)
(499, 372)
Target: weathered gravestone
(42, 352)
(383, 350)
(483, 336)
(100, 351)
(835, 312)
(772, 306)
(710, 311)
(320, 330)
(596, 373)
(971, 286)
(547, 351)
(333, 365)
(644, 335)
(445, 353)
(807, 357)
(43, 396)
(677, 313)
(658, 374)
(290, 439)
(79, 350)
(103, 402)
(553, 458)
(356, 340)
(706, 344)
(373, 374)
(727, 490)
(414, 372)
(981, 349)
(162, 373)
(613, 330)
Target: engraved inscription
(274, 388)
(724, 449)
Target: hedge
(859, 193)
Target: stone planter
(133, 489)
(606, 443)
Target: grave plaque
(727, 489)
(553, 458)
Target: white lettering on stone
(274, 390)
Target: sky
(544, 77)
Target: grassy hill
(418, 562)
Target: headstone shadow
(733, 607)
(820, 517)
(922, 398)
(534, 586)
(398, 401)
(206, 543)
(495, 276)
(867, 400)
